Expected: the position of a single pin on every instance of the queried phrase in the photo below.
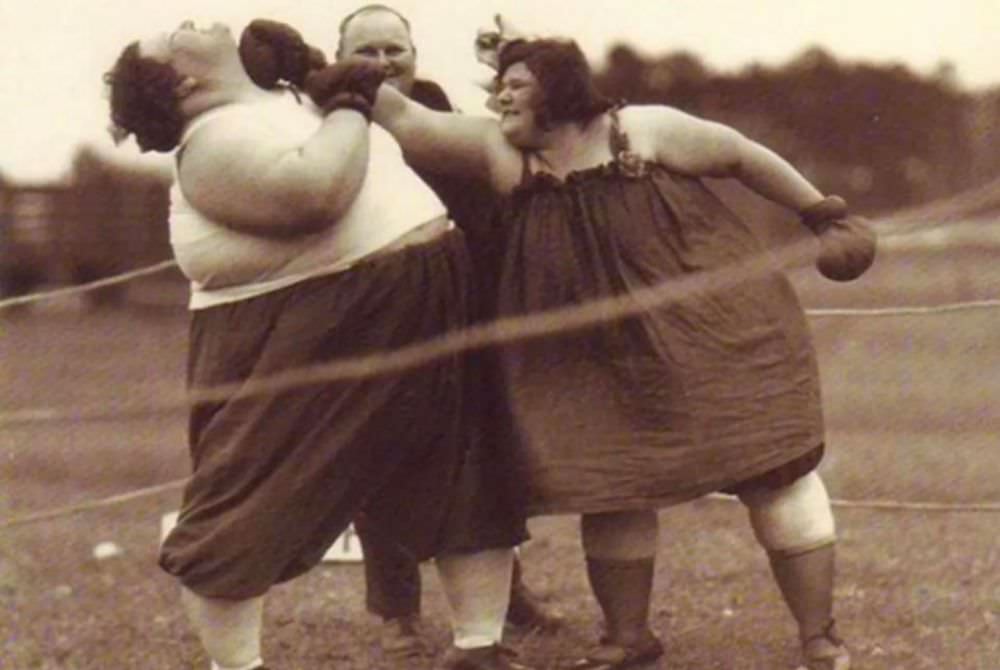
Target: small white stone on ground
(104, 550)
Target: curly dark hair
(144, 100)
(564, 77)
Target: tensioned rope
(897, 224)
(962, 205)
(70, 510)
(914, 310)
(498, 332)
(157, 268)
(503, 331)
(169, 487)
(88, 287)
(167, 265)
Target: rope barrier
(88, 287)
(499, 332)
(902, 223)
(503, 331)
(70, 510)
(945, 308)
(94, 414)
(922, 218)
(168, 487)
(895, 505)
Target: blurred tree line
(107, 219)
(880, 135)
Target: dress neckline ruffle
(630, 167)
(624, 164)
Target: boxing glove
(847, 244)
(272, 51)
(352, 83)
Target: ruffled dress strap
(618, 140)
(525, 167)
(629, 163)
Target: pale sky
(53, 52)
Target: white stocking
(477, 587)
(229, 629)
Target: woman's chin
(515, 133)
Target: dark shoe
(825, 651)
(493, 657)
(612, 656)
(400, 638)
(527, 611)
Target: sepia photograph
(568, 335)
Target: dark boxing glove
(847, 243)
(352, 84)
(272, 51)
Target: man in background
(380, 33)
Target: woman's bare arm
(698, 147)
(447, 142)
(245, 178)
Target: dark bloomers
(143, 101)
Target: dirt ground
(910, 404)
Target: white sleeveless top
(225, 265)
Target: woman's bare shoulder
(649, 127)
(679, 140)
(658, 118)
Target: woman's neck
(207, 99)
(574, 146)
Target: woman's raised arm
(244, 177)
(445, 142)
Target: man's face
(381, 37)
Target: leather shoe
(401, 638)
(527, 611)
(825, 651)
(494, 657)
(613, 656)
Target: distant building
(102, 223)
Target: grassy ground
(910, 402)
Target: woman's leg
(620, 549)
(795, 525)
(477, 587)
(526, 610)
(229, 630)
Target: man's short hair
(367, 9)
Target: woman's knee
(794, 519)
